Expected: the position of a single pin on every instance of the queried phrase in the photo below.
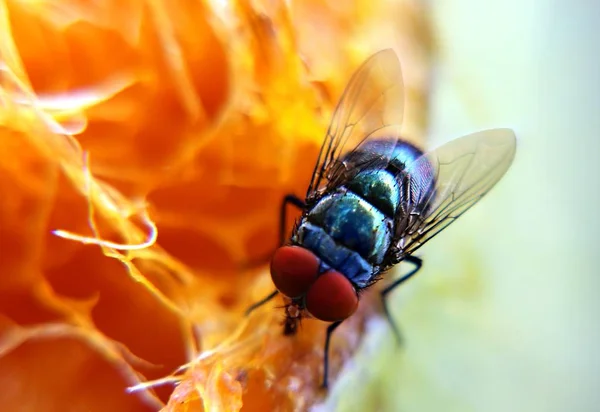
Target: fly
(373, 200)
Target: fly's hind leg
(417, 262)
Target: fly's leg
(384, 294)
(288, 199)
(261, 302)
(412, 259)
(330, 330)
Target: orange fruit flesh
(157, 140)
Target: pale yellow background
(504, 316)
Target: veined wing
(463, 171)
(371, 107)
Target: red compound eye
(293, 270)
(331, 297)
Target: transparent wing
(458, 173)
(371, 107)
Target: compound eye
(331, 297)
(293, 270)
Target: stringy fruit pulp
(145, 149)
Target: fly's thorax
(353, 222)
(347, 233)
(334, 255)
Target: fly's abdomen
(416, 184)
(379, 188)
(389, 186)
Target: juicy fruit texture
(157, 139)
(293, 270)
(331, 297)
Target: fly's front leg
(288, 199)
(385, 292)
(261, 302)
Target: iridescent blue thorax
(352, 228)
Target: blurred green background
(503, 316)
